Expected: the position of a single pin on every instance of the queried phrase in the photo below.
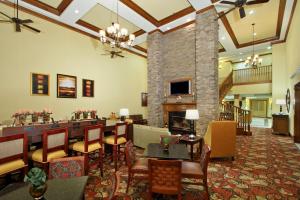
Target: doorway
(297, 114)
(259, 107)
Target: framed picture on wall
(39, 84)
(144, 98)
(87, 88)
(66, 86)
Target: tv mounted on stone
(182, 87)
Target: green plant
(36, 177)
(166, 140)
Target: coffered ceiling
(140, 17)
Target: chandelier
(254, 60)
(116, 36)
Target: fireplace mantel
(172, 107)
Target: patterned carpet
(266, 167)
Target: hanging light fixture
(116, 36)
(254, 60)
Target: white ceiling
(79, 8)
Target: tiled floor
(261, 122)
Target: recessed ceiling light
(76, 11)
(223, 38)
(168, 28)
(251, 12)
(241, 53)
(241, 59)
(269, 47)
(254, 34)
(188, 19)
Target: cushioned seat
(111, 140)
(191, 169)
(140, 165)
(79, 146)
(37, 155)
(11, 166)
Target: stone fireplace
(190, 53)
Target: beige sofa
(143, 135)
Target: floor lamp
(192, 115)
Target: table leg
(192, 152)
(200, 146)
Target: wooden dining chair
(13, 154)
(55, 145)
(118, 138)
(135, 166)
(67, 167)
(92, 143)
(198, 170)
(165, 177)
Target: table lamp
(123, 113)
(193, 115)
(280, 102)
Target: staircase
(225, 87)
(241, 116)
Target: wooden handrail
(261, 74)
(225, 86)
(241, 116)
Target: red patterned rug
(266, 166)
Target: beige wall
(290, 50)
(118, 82)
(263, 88)
(279, 75)
(225, 68)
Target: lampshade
(280, 101)
(124, 112)
(192, 114)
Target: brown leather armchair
(221, 137)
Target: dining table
(62, 189)
(173, 152)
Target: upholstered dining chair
(67, 167)
(165, 177)
(135, 166)
(92, 143)
(118, 138)
(13, 154)
(198, 170)
(55, 145)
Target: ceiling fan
(114, 53)
(240, 4)
(19, 22)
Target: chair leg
(115, 157)
(25, 171)
(86, 163)
(206, 187)
(45, 168)
(101, 161)
(130, 175)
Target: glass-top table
(175, 152)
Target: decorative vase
(77, 116)
(93, 115)
(46, 117)
(22, 119)
(38, 192)
(85, 115)
(34, 118)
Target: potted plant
(93, 114)
(85, 114)
(37, 179)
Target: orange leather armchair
(221, 137)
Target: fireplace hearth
(178, 124)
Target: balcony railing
(253, 75)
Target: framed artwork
(87, 88)
(39, 84)
(144, 98)
(66, 86)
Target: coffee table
(186, 140)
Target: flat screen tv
(180, 87)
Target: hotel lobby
(136, 99)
